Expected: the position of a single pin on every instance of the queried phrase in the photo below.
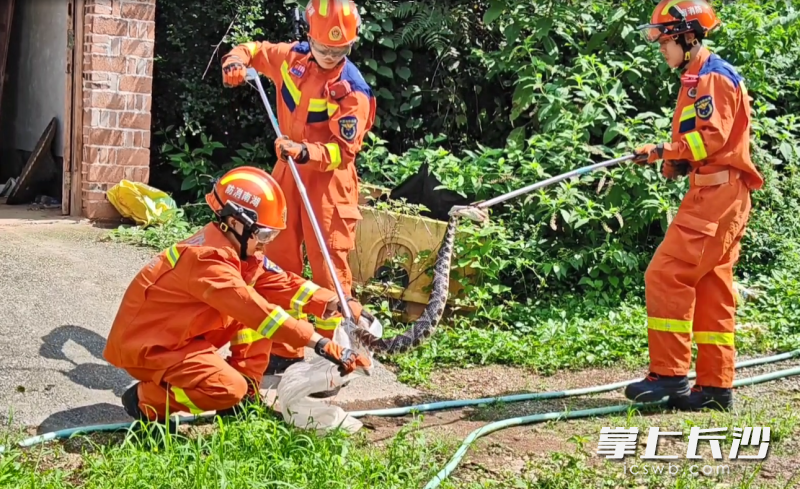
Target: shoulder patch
(271, 266)
(704, 107)
(717, 65)
(348, 127)
(352, 75)
(302, 47)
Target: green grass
(263, 452)
(259, 452)
(571, 333)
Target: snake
(425, 325)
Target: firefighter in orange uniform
(324, 109)
(689, 283)
(194, 298)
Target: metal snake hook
(252, 75)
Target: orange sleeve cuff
(319, 302)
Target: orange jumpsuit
(330, 111)
(187, 303)
(689, 283)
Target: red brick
(133, 157)
(105, 137)
(96, 77)
(100, 156)
(94, 195)
(95, 155)
(105, 100)
(104, 173)
(142, 30)
(138, 11)
(108, 25)
(131, 120)
(91, 187)
(141, 139)
(96, 62)
(101, 209)
(101, 118)
(98, 49)
(137, 47)
(137, 173)
(115, 47)
(138, 84)
(98, 7)
(96, 38)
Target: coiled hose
(485, 430)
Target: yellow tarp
(144, 204)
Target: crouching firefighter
(194, 298)
(324, 109)
(689, 282)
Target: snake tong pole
(530, 188)
(253, 75)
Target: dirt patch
(514, 450)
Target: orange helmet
(675, 17)
(333, 23)
(251, 196)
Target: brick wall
(117, 81)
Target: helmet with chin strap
(676, 18)
(253, 198)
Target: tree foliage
(494, 95)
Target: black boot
(655, 387)
(278, 365)
(716, 398)
(130, 402)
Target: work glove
(285, 148)
(649, 153)
(347, 359)
(365, 319)
(674, 169)
(233, 71)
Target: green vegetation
(262, 452)
(502, 94)
(545, 87)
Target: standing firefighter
(197, 296)
(324, 110)
(689, 283)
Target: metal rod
(549, 181)
(252, 74)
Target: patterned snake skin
(424, 326)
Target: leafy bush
(522, 91)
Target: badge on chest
(298, 70)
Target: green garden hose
(518, 421)
(538, 418)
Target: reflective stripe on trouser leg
(670, 306)
(715, 325)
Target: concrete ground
(60, 288)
